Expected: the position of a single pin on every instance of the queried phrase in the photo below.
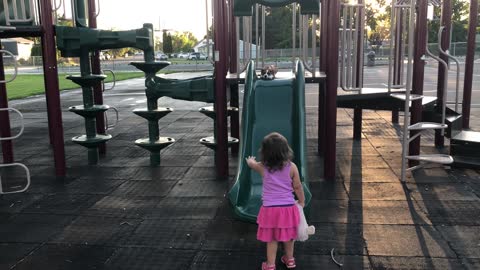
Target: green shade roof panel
(245, 7)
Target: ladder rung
(436, 158)
(427, 125)
(404, 97)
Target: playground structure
(228, 71)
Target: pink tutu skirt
(278, 223)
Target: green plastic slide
(268, 106)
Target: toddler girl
(278, 218)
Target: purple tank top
(277, 187)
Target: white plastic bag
(303, 230)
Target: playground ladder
(22, 127)
(408, 98)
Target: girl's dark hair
(275, 151)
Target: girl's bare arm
(255, 165)
(297, 185)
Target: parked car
(161, 56)
(197, 56)
(183, 55)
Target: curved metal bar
(98, 11)
(27, 173)
(263, 36)
(114, 81)
(21, 124)
(294, 33)
(107, 126)
(445, 83)
(408, 86)
(447, 53)
(55, 8)
(392, 40)
(15, 66)
(208, 38)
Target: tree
(460, 11)
(183, 42)
(278, 27)
(167, 42)
(377, 14)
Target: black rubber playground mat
(62, 203)
(86, 230)
(32, 228)
(12, 253)
(231, 260)
(133, 258)
(159, 173)
(186, 208)
(452, 212)
(156, 188)
(203, 173)
(121, 207)
(98, 186)
(69, 256)
(202, 188)
(173, 234)
(14, 203)
(347, 239)
(185, 150)
(234, 235)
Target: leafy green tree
(460, 11)
(167, 42)
(183, 42)
(278, 27)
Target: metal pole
(442, 84)
(469, 64)
(221, 153)
(264, 44)
(96, 69)
(234, 96)
(7, 148)
(358, 82)
(418, 74)
(331, 95)
(321, 85)
(294, 33)
(256, 35)
(51, 86)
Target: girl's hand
(302, 204)
(251, 161)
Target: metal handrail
(98, 11)
(447, 53)
(15, 66)
(445, 84)
(114, 81)
(107, 126)
(22, 125)
(408, 87)
(27, 172)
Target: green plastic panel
(11, 15)
(195, 89)
(245, 7)
(273, 105)
(71, 40)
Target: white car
(183, 55)
(161, 56)
(197, 56)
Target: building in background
(20, 47)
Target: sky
(180, 15)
